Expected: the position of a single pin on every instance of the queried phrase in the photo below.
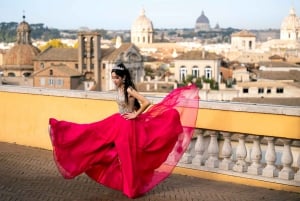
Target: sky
(121, 14)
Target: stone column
(199, 158)
(226, 152)
(187, 156)
(256, 155)
(241, 154)
(286, 160)
(270, 170)
(155, 86)
(213, 151)
(297, 175)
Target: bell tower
(89, 64)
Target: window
(269, 90)
(207, 72)
(51, 82)
(182, 73)
(11, 74)
(245, 90)
(51, 72)
(260, 90)
(42, 81)
(26, 74)
(42, 65)
(195, 71)
(92, 46)
(250, 45)
(279, 90)
(59, 82)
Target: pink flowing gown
(132, 156)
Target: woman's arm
(144, 102)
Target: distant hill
(8, 32)
(41, 32)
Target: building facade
(243, 40)
(197, 64)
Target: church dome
(142, 23)
(202, 23)
(202, 19)
(21, 55)
(23, 52)
(291, 21)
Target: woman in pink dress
(133, 150)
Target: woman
(131, 151)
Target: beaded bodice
(123, 107)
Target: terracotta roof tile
(198, 55)
(279, 75)
(58, 54)
(64, 70)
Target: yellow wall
(24, 118)
(252, 123)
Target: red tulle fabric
(131, 156)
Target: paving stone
(30, 174)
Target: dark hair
(121, 70)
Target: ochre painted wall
(24, 118)
(250, 123)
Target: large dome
(142, 23)
(291, 21)
(202, 19)
(21, 54)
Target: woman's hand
(130, 115)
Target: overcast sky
(121, 14)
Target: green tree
(53, 43)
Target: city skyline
(120, 15)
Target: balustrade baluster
(241, 154)
(256, 155)
(213, 151)
(270, 170)
(187, 156)
(286, 160)
(199, 158)
(297, 175)
(226, 152)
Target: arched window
(26, 74)
(51, 72)
(182, 73)
(195, 71)
(207, 72)
(92, 46)
(250, 45)
(11, 74)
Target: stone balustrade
(243, 140)
(251, 156)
